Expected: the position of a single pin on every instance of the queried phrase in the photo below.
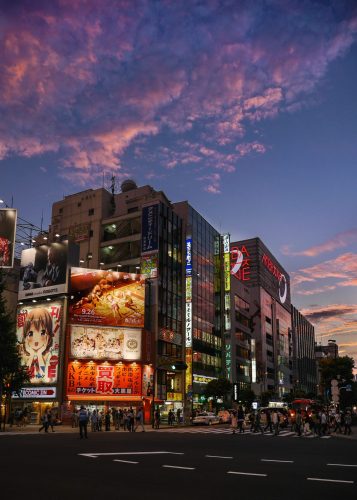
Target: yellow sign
(174, 396)
(227, 272)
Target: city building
(268, 328)
(304, 360)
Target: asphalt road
(174, 466)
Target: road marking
(246, 473)
(95, 455)
(216, 456)
(325, 437)
(279, 461)
(328, 480)
(125, 461)
(343, 465)
(178, 467)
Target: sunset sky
(247, 109)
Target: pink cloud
(90, 80)
(340, 240)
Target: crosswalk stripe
(210, 430)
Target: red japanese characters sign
(103, 379)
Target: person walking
(94, 421)
(298, 423)
(240, 418)
(50, 421)
(44, 422)
(131, 420)
(157, 419)
(338, 427)
(257, 426)
(234, 421)
(269, 424)
(107, 421)
(275, 422)
(348, 423)
(323, 420)
(83, 422)
(120, 419)
(125, 420)
(178, 416)
(140, 419)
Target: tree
(218, 389)
(12, 373)
(267, 396)
(340, 368)
(247, 396)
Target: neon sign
(240, 263)
(273, 269)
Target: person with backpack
(83, 422)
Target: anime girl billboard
(38, 332)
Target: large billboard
(44, 270)
(103, 343)
(91, 378)
(8, 218)
(107, 298)
(38, 334)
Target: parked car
(206, 418)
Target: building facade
(305, 374)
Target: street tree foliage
(246, 397)
(218, 388)
(340, 368)
(13, 375)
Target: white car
(206, 418)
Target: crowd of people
(303, 423)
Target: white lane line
(328, 480)
(125, 461)
(246, 473)
(95, 455)
(279, 461)
(216, 456)
(178, 467)
(343, 465)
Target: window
(60, 211)
(91, 233)
(91, 211)
(79, 204)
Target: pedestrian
(338, 427)
(275, 422)
(169, 417)
(306, 424)
(83, 422)
(323, 420)
(157, 418)
(50, 421)
(257, 425)
(234, 422)
(44, 422)
(298, 423)
(94, 421)
(131, 418)
(348, 422)
(107, 420)
(140, 419)
(178, 415)
(269, 424)
(125, 420)
(120, 419)
(252, 421)
(240, 418)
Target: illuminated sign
(254, 362)
(43, 271)
(150, 229)
(227, 272)
(107, 298)
(38, 336)
(8, 218)
(188, 256)
(228, 360)
(225, 239)
(273, 269)
(148, 265)
(202, 379)
(36, 393)
(189, 289)
(98, 342)
(188, 373)
(235, 392)
(91, 379)
(188, 324)
(240, 263)
(174, 396)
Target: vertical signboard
(150, 229)
(8, 218)
(227, 303)
(188, 327)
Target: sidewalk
(68, 429)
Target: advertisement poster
(43, 271)
(38, 333)
(91, 342)
(8, 218)
(150, 229)
(148, 380)
(90, 378)
(107, 298)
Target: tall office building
(271, 345)
(305, 374)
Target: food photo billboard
(38, 336)
(105, 343)
(43, 270)
(8, 217)
(107, 298)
